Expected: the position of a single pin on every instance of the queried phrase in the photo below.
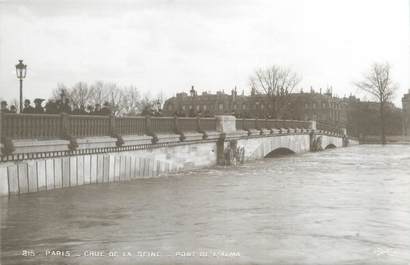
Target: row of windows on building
(324, 105)
(224, 107)
(221, 107)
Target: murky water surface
(344, 206)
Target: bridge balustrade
(131, 125)
(163, 125)
(276, 124)
(87, 126)
(52, 126)
(245, 124)
(239, 124)
(328, 128)
(188, 124)
(208, 124)
(250, 124)
(27, 126)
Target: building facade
(406, 113)
(299, 106)
(364, 118)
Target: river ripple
(343, 206)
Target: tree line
(98, 98)
(122, 100)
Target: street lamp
(21, 70)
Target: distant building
(406, 113)
(206, 104)
(319, 107)
(361, 118)
(364, 118)
(302, 106)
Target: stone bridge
(46, 152)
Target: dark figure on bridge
(90, 109)
(147, 111)
(97, 109)
(37, 105)
(65, 106)
(27, 107)
(82, 110)
(51, 107)
(79, 110)
(4, 108)
(13, 109)
(106, 110)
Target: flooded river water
(341, 206)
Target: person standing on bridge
(4, 108)
(51, 107)
(38, 108)
(106, 110)
(28, 109)
(13, 109)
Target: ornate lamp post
(21, 70)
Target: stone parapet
(225, 123)
(236, 135)
(193, 136)
(253, 132)
(39, 146)
(211, 135)
(168, 138)
(96, 142)
(136, 139)
(265, 131)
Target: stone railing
(257, 124)
(327, 128)
(18, 132)
(50, 126)
(29, 126)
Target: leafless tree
(123, 100)
(130, 100)
(379, 84)
(277, 83)
(80, 94)
(60, 91)
(99, 93)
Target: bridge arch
(330, 146)
(281, 151)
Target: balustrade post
(198, 124)
(114, 132)
(200, 129)
(177, 129)
(267, 125)
(113, 129)
(148, 124)
(66, 132)
(245, 126)
(313, 125)
(176, 125)
(65, 126)
(149, 131)
(1, 138)
(258, 126)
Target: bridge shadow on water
(280, 152)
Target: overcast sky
(169, 45)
